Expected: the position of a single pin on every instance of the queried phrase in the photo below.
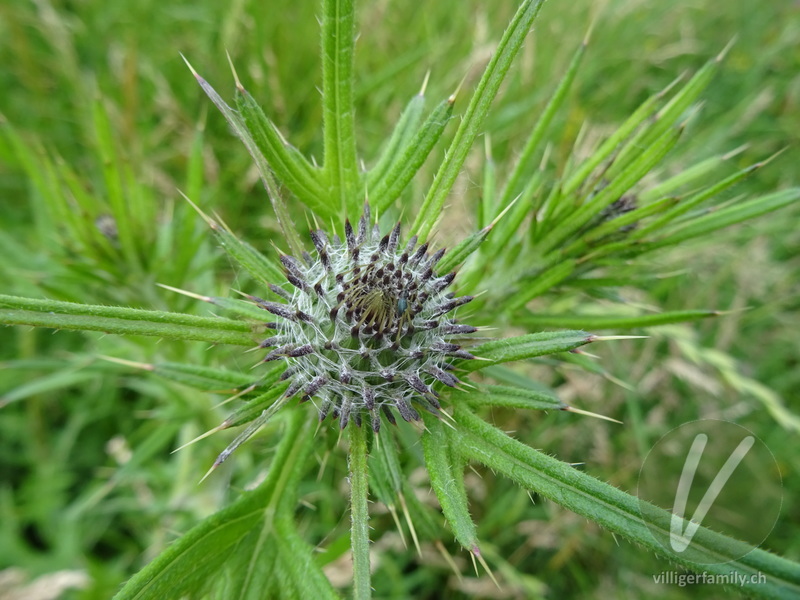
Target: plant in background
(364, 328)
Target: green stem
(359, 494)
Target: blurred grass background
(96, 92)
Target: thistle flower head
(365, 329)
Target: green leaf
(525, 346)
(243, 133)
(687, 204)
(384, 462)
(540, 283)
(615, 321)
(338, 41)
(389, 188)
(667, 116)
(503, 396)
(261, 268)
(252, 566)
(297, 558)
(462, 251)
(583, 171)
(619, 512)
(471, 124)
(261, 407)
(290, 167)
(683, 178)
(119, 312)
(398, 143)
(426, 521)
(613, 225)
(131, 321)
(512, 224)
(636, 169)
(204, 378)
(444, 475)
(486, 208)
(527, 160)
(242, 307)
(187, 565)
(726, 217)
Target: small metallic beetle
(402, 305)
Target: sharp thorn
(214, 430)
(587, 413)
(128, 363)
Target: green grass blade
(471, 124)
(59, 380)
(114, 180)
(45, 188)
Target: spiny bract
(365, 329)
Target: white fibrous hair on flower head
(366, 328)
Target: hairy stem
(359, 514)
